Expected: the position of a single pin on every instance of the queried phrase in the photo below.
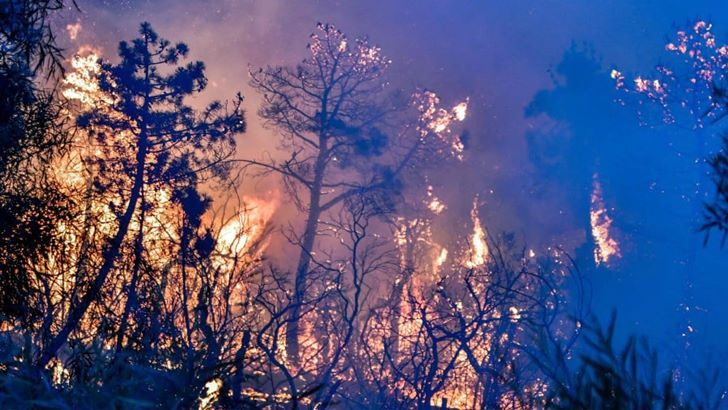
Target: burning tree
(33, 132)
(144, 286)
(337, 128)
(464, 330)
(151, 296)
(690, 89)
(574, 145)
(335, 299)
(138, 106)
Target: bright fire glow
(73, 29)
(212, 390)
(162, 216)
(437, 120)
(515, 313)
(440, 260)
(460, 110)
(82, 83)
(606, 247)
(435, 204)
(239, 234)
(478, 246)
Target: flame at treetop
(606, 247)
(82, 84)
(437, 120)
(237, 240)
(686, 87)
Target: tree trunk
(304, 262)
(304, 259)
(398, 291)
(77, 312)
(131, 298)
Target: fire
(238, 239)
(606, 247)
(441, 259)
(515, 313)
(437, 120)
(478, 245)
(82, 83)
(240, 233)
(461, 110)
(312, 347)
(212, 390)
(435, 204)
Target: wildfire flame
(81, 84)
(478, 246)
(435, 204)
(461, 110)
(437, 120)
(239, 238)
(240, 233)
(606, 247)
(439, 260)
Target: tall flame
(82, 84)
(440, 260)
(606, 247)
(478, 246)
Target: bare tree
(334, 301)
(330, 112)
(467, 337)
(343, 135)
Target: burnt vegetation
(134, 275)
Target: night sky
(542, 121)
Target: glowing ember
(212, 390)
(606, 247)
(73, 29)
(703, 63)
(478, 245)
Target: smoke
(500, 55)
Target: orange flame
(606, 247)
(435, 204)
(437, 120)
(478, 246)
(440, 260)
(237, 237)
